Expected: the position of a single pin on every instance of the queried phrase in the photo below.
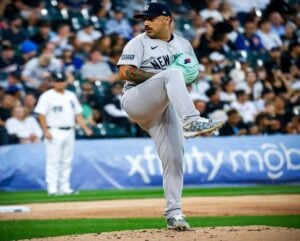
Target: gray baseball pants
(161, 105)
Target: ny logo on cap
(146, 8)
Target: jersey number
(57, 109)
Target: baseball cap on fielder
(58, 77)
(154, 9)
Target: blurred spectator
(25, 128)
(180, 8)
(261, 73)
(100, 11)
(73, 5)
(197, 29)
(61, 39)
(8, 60)
(197, 95)
(217, 59)
(281, 6)
(28, 8)
(97, 69)
(6, 106)
(136, 27)
(2, 93)
(268, 38)
(275, 60)
(28, 50)
(13, 82)
(277, 82)
(212, 11)
(290, 35)
(48, 48)
(238, 72)
(263, 124)
(29, 104)
(294, 126)
(267, 97)
(133, 7)
(211, 41)
(214, 102)
(228, 92)
(277, 24)
(4, 138)
(14, 34)
(89, 97)
(70, 62)
(217, 76)
(234, 125)
(282, 115)
(88, 115)
(118, 24)
(44, 33)
(252, 85)
(200, 103)
(273, 122)
(38, 70)
(291, 58)
(114, 57)
(226, 10)
(113, 111)
(117, 41)
(104, 45)
(7, 103)
(202, 39)
(245, 108)
(243, 8)
(248, 40)
(87, 35)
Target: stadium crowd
(249, 53)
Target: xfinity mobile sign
(269, 161)
(133, 163)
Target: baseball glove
(188, 65)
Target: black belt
(62, 128)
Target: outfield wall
(133, 163)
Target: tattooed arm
(131, 73)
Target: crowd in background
(249, 53)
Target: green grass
(41, 196)
(14, 230)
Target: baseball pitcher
(156, 65)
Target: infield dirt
(192, 206)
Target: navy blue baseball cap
(58, 77)
(154, 10)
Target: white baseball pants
(157, 105)
(59, 156)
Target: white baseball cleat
(201, 126)
(68, 192)
(177, 223)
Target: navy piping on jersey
(172, 36)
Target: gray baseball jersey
(157, 103)
(153, 55)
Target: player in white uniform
(156, 97)
(57, 111)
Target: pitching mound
(248, 233)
